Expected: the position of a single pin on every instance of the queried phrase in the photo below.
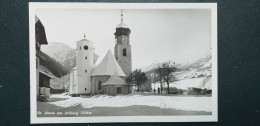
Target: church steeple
(122, 47)
(122, 28)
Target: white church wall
(84, 61)
(73, 81)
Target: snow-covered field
(187, 103)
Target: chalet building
(108, 77)
(42, 78)
(44, 64)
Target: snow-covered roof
(114, 80)
(85, 40)
(57, 86)
(36, 19)
(121, 25)
(208, 83)
(108, 66)
(95, 57)
(202, 83)
(46, 71)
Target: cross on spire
(121, 15)
(84, 35)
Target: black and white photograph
(123, 62)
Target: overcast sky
(181, 35)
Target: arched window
(86, 71)
(86, 57)
(124, 52)
(99, 85)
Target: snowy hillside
(198, 68)
(61, 53)
(202, 62)
(195, 74)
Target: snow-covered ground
(187, 103)
(202, 82)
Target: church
(108, 77)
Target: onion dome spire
(122, 29)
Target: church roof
(114, 80)
(85, 40)
(108, 66)
(95, 57)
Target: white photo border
(119, 119)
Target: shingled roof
(114, 80)
(108, 66)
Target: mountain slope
(197, 68)
(55, 67)
(61, 53)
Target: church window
(99, 85)
(79, 48)
(118, 90)
(86, 71)
(86, 57)
(86, 47)
(85, 89)
(124, 52)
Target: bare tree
(137, 77)
(165, 70)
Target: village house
(44, 64)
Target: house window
(118, 90)
(99, 85)
(124, 52)
(86, 47)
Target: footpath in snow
(187, 103)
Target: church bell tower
(122, 48)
